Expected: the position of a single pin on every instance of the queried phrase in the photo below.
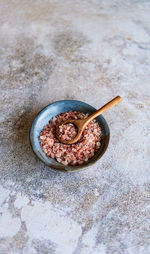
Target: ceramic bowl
(55, 109)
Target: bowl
(57, 108)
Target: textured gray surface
(90, 51)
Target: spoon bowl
(78, 124)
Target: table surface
(90, 51)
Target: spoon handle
(106, 107)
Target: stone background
(92, 51)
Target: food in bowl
(70, 154)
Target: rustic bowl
(57, 108)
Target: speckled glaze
(55, 109)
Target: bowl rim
(68, 168)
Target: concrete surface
(90, 51)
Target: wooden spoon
(81, 124)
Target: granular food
(74, 154)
